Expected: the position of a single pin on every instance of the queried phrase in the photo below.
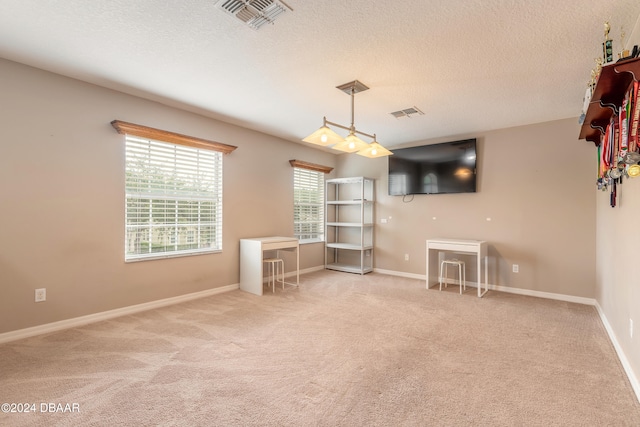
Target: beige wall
(62, 198)
(536, 186)
(618, 252)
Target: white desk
(251, 254)
(477, 247)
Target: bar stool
(274, 265)
(461, 273)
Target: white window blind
(173, 199)
(308, 205)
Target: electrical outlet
(516, 268)
(41, 294)
(406, 257)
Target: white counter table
(251, 265)
(476, 247)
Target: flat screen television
(449, 167)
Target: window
(171, 191)
(308, 205)
(173, 195)
(308, 201)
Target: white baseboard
(540, 294)
(306, 270)
(528, 292)
(633, 379)
(106, 315)
(399, 274)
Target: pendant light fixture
(351, 144)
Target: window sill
(170, 255)
(307, 242)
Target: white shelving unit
(349, 224)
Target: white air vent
(254, 13)
(408, 112)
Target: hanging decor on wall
(326, 137)
(619, 150)
(610, 115)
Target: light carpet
(340, 350)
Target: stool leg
(268, 275)
(440, 275)
(460, 277)
(464, 276)
(280, 267)
(271, 277)
(281, 263)
(446, 275)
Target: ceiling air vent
(254, 13)
(408, 112)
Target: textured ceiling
(469, 65)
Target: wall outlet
(631, 328)
(406, 257)
(516, 268)
(41, 294)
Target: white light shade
(324, 136)
(374, 150)
(351, 144)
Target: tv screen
(449, 167)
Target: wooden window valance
(172, 137)
(310, 166)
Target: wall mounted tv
(449, 167)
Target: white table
(476, 247)
(251, 254)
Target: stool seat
(461, 273)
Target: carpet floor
(340, 350)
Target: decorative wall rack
(608, 94)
